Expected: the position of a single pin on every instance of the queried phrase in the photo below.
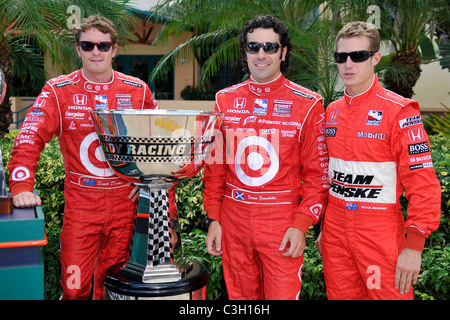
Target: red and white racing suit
(271, 176)
(378, 149)
(98, 218)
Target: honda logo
(415, 134)
(80, 99)
(40, 103)
(334, 115)
(239, 103)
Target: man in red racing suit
(268, 178)
(99, 215)
(378, 149)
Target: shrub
(198, 93)
(438, 124)
(313, 280)
(50, 185)
(440, 153)
(195, 249)
(433, 281)
(189, 195)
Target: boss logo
(418, 148)
(331, 132)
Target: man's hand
(214, 239)
(319, 243)
(134, 194)
(297, 243)
(407, 269)
(26, 199)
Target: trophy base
(166, 272)
(6, 205)
(120, 285)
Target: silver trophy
(153, 149)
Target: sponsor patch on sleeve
(331, 132)
(418, 148)
(410, 121)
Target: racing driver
(100, 207)
(269, 184)
(378, 149)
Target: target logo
(256, 161)
(92, 157)
(316, 210)
(20, 173)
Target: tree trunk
(6, 64)
(409, 64)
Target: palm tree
(216, 26)
(442, 32)
(47, 23)
(405, 23)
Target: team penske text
(351, 186)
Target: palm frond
(29, 64)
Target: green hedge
(433, 280)
(50, 185)
(198, 93)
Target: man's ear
(77, 47)
(283, 54)
(376, 58)
(114, 48)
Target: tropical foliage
(406, 24)
(313, 25)
(30, 27)
(216, 26)
(438, 123)
(433, 281)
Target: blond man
(378, 149)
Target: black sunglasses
(356, 56)
(103, 46)
(268, 47)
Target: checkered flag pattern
(154, 140)
(159, 242)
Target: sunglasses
(103, 46)
(356, 56)
(268, 47)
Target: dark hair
(266, 22)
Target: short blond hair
(100, 23)
(360, 29)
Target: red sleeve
(41, 123)
(411, 150)
(314, 164)
(149, 99)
